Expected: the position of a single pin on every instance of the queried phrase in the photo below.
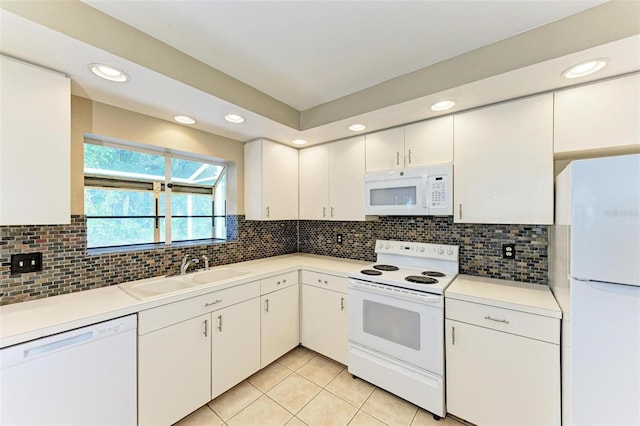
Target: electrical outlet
(509, 251)
(339, 238)
(26, 262)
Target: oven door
(405, 325)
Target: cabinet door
(280, 323)
(324, 322)
(314, 183)
(429, 142)
(235, 345)
(385, 150)
(279, 181)
(597, 116)
(499, 378)
(346, 179)
(174, 365)
(504, 163)
(35, 145)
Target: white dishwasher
(83, 377)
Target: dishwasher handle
(59, 344)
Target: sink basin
(150, 288)
(153, 287)
(217, 275)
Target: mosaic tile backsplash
(68, 268)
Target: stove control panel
(426, 250)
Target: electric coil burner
(433, 274)
(420, 279)
(387, 268)
(370, 272)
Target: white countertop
(525, 297)
(30, 320)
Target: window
(135, 196)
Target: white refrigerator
(595, 276)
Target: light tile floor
(304, 388)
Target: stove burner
(420, 279)
(370, 272)
(433, 274)
(385, 267)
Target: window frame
(97, 181)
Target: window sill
(153, 246)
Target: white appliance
(420, 191)
(396, 320)
(82, 377)
(595, 276)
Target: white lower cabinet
(280, 323)
(324, 327)
(235, 345)
(502, 365)
(173, 371)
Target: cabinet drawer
(277, 282)
(163, 316)
(520, 323)
(330, 282)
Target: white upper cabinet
(332, 181)
(385, 150)
(429, 142)
(598, 116)
(35, 145)
(271, 181)
(420, 144)
(504, 163)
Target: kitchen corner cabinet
(193, 350)
(421, 144)
(598, 116)
(280, 316)
(503, 359)
(504, 163)
(324, 326)
(332, 181)
(270, 181)
(35, 145)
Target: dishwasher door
(84, 377)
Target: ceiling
(308, 69)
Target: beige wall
(114, 123)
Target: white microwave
(420, 191)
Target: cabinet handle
(206, 328)
(397, 158)
(206, 305)
(409, 156)
(266, 305)
(267, 211)
(453, 335)
(342, 303)
(324, 212)
(496, 320)
(332, 209)
(219, 322)
(460, 211)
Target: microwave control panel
(439, 197)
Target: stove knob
(440, 250)
(421, 249)
(380, 245)
(387, 246)
(450, 251)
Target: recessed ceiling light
(299, 141)
(357, 127)
(585, 68)
(442, 105)
(184, 119)
(234, 118)
(109, 73)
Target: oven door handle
(355, 284)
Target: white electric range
(396, 320)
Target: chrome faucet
(186, 263)
(206, 262)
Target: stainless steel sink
(154, 287)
